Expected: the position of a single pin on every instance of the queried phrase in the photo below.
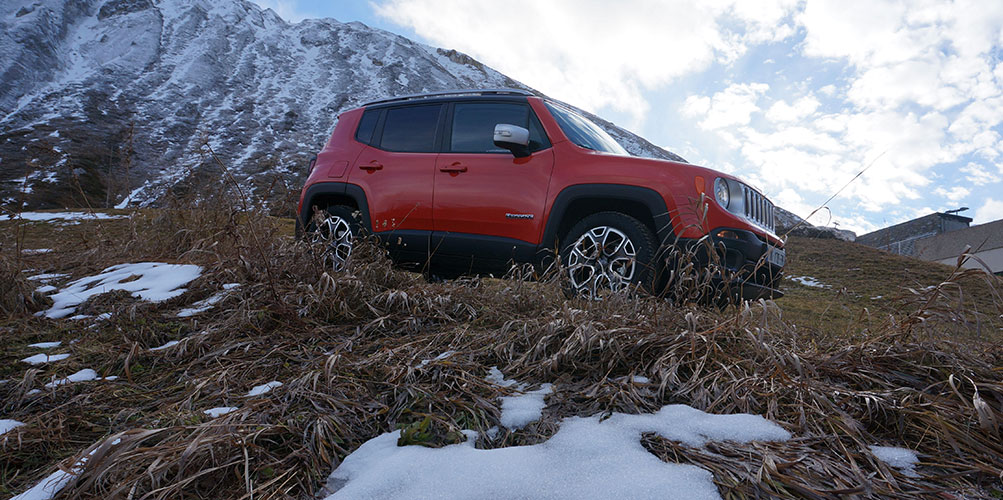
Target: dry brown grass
(349, 348)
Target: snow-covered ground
(808, 281)
(46, 345)
(52, 484)
(263, 388)
(220, 411)
(7, 425)
(41, 359)
(84, 375)
(903, 459)
(151, 281)
(206, 304)
(60, 216)
(587, 458)
(523, 408)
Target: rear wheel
(336, 229)
(608, 252)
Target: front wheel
(336, 229)
(608, 252)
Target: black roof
(454, 93)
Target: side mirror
(513, 138)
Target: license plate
(777, 256)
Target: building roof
(922, 227)
(944, 246)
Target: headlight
(721, 192)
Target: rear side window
(367, 125)
(474, 125)
(410, 129)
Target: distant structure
(941, 237)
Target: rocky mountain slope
(113, 98)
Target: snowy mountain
(113, 98)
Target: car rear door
(396, 173)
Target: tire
(336, 228)
(624, 265)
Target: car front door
(488, 204)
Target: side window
(367, 125)
(474, 125)
(410, 129)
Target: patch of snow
(41, 359)
(640, 379)
(220, 411)
(903, 459)
(156, 282)
(808, 281)
(131, 196)
(47, 276)
(208, 303)
(168, 345)
(263, 388)
(46, 289)
(518, 411)
(440, 357)
(36, 251)
(586, 458)
(876, 297)
(7, 425)
(65, 216)
(46, 345)
(47, 488)
(84, 375)
(495, 377)
(79, 317)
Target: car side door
(488, 204)
(396, 173)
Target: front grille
(757, 208)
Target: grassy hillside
(889, 351)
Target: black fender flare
(342, 190)
(645, 196)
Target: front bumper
(752, 267)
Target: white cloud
(977, 174)
(780, 111)
(595, 53)
(732, 106)
(954, 195)
(991, 210)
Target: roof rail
(445, 93)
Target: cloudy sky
(796, 97)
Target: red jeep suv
(470, 182)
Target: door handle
(371, 166)
(454, 168)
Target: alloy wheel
(603, 259)
(336, 234)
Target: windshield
(583, 133)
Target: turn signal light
(727, 233)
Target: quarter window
(367, 125)
(410, 129)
